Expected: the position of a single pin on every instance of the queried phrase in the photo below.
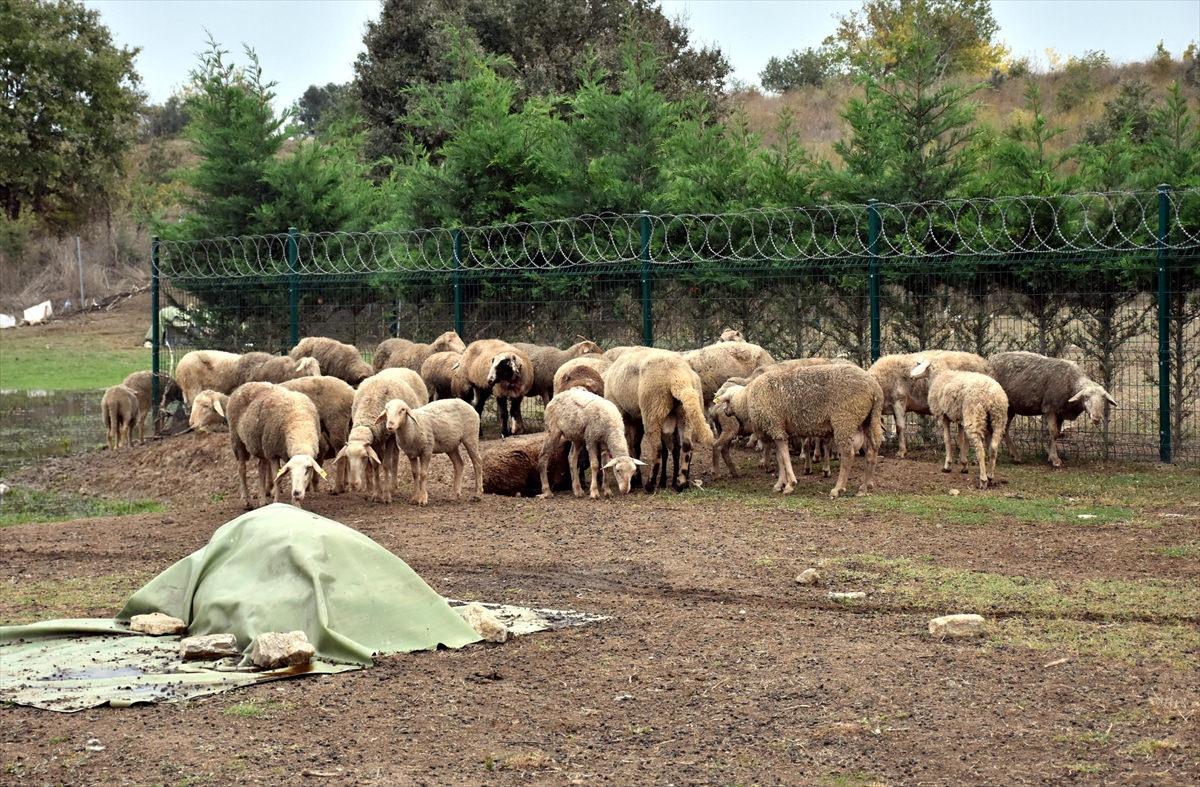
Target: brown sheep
(142, 384)
(119, 409)
(830, 400)
(731, 335)
(410, 355)
(207, 370)
(586, 371)
(716, 363)
(336, 359)
(659, 396)
(444, 376)
(1054, 388)
(495, 368)
(903, 394)
(510, 467)
(547, 361)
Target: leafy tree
(236, 135)
(321, 107)
(167, 119)
(70, 99)
(1077, 82)
(802, 67)
(961, 35)
(1129, 109)
(548, 42)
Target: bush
(1078, 82)
(802, 67)
(1160, 61)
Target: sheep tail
(693, 410)
(873, 425)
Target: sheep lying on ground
(716, 363)
(495, 368)
(208, 411)
(142, 384)
(336, 359)
(1056, 389)
(207, 370)
(511, 467)
(659, 396)
(584, 419)
(586, 372)
(444, 377)
(410, 355)
(830, 400)
(369, 447)
(547, 361)
(120, 410)
(904, 394)
(439, 427)
(282, 429)
(974, 401)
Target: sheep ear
(639, 463)
(1077, 396)
(611, 464)
(320, 470)
(382, 417)
(374, 457)
(217, 406)
(1111, 400)
(920, 369)
(282, 470)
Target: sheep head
(585, 347)
(394, 414)
(1093, 397)
(208, 411)
(450, 340)
(724, 398)
(505, 369)
(356, 456)
(624, 467)
(308, 367)
(922, 370)
(732, 335)
(302, 467)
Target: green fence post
(155, 361)
(458, 298)
(873, 273)
(647, 282)
(1164, 327)
(293, 258)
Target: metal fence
(1111, 280)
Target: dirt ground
(716, 667)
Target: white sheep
(582, 418)
(440, 427)
(977, 403)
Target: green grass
(65, 362)
(25, 506)
(1181, 551)
(251, 709)
(25, 602)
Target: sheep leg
(243, 485)
(994, 443)
(722, 447)
(553, 435)
(599, 476)
(826, 452)
(783, 459)
(1008, 441)
(962, 447)
(481, 397)
(515, 412)
(654, 444)
(898, 413)
(845, 451)
(573, 463)
(808, 459)
(472, 444)
(502, 411)
(456, 460)
(426, 459)
(872, 458)
(1052, 423)
(685, 452)
(980, 455)
(948, 440)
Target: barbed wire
(1094, 222)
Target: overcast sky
(302, 42)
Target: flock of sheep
(322, 403)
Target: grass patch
(1152, 746)
(251, 709)
(63, 363)
(970, 509)
(1181, 551)
(25, 506)
(1086, 768)
(1176, 645)
(26, 602)
(915, 584)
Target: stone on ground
(956, 626)
(274, 649)
(809, 576)
(208, 647)
(157, 624)
(484, 622)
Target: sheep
(659, 395)
(716, 363)
(336, 359)
(586, 371)
(334, 399)
(902, 393)
(729, 426)
(547, 361)
(976, 402)
(584, 418)
(142, 384)
(731, 335)
(359, 460)
(208, 411)
(282, 429)
(511, 467)
(1056, 389)
(411, 355)
(613, 353)
(439, 427)
(830, 400)
(207, 370)
(120, 410)
(233, 407)
(495, 367)
(444, 377)
(281, 368)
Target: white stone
(208, 647)
(847, 595)
(484, 622)
(274, 649)
(157, 624)
(957, 626)
(809, 576)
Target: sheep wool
(977, 403)
(547, 361)
(120, 412)
(583, 418)
(903, 394)
(411, 355)
(496, 368)
(336, 359)
(716, 363)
